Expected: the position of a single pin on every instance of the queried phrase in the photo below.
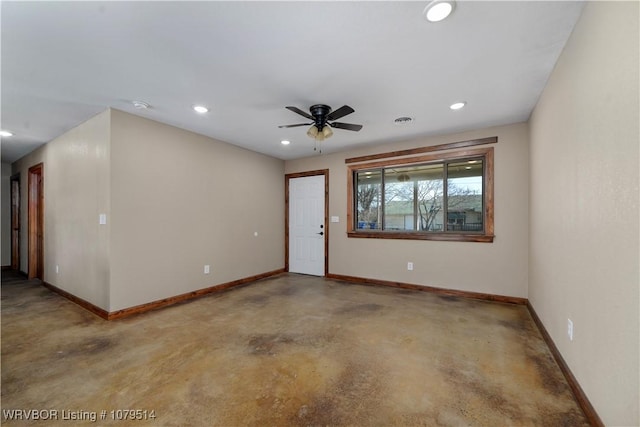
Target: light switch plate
(335, 219)
(103, 219)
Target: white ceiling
(64, 62)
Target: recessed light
(457, 105)
(467, 167)
(5, 133)
(438, 10)
(285, 142)
(200, 109)
(140, 105)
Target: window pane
(429, 195)
(369, 191)
(398, 199)
(464, 196)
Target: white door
(306, 225)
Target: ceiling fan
(323, 120)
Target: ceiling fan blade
(295, 126)
(340, 112)
(299, 111)
(347, 126)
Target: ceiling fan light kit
(312, 132)
(327, 132)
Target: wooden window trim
(486, 237)
(427, 149)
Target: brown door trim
(287, 177)
(36, 221)
(15, 221)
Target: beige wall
(5, 226)
(498, 268)
(182, 200)
(76, 191)
(174, 201)
(584, 256)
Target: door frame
(15, 221)
(35, 197)
(288, 177)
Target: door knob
(321, 233)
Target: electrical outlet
(410, 266)
(206, 269)
(57, 269)
(570, 329)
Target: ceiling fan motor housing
(320, 113)
(323, 119)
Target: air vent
(401, 121)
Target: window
(435, 197)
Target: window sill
(448, 237)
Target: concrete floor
(289, 350)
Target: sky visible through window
(472, 183)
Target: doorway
(15, 222)
(306, 231)
(36, 222)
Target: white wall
(5, 214)
(497, 268)
(584, 255)
(76, 191)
